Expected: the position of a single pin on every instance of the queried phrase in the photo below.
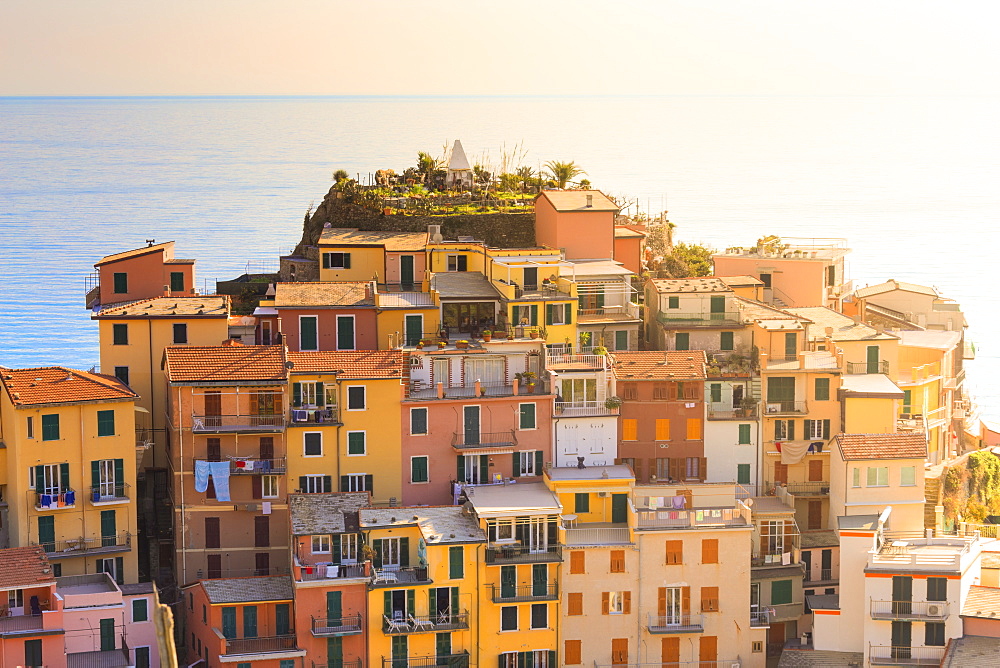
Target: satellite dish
(749, 502)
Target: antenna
(150, 241)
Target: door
(775, 638)
(345, 332)
(790, 349)
(471, 425)
(708, 651)
(214, 566)
(619, 651)
(262, 562)
(334, 652)
(539, 579)
(670, 650)
(282, 624)
(47, 533)
(108, 529)
(872, 360)
(671, 605)
(107, 635)
(900, 637)
(780, 472)
(619, 508)
(538, 535)
(213, 408)
(508, 581)
(33, 653)
(902, 595)
(414, 326)
(229, 622)
(442, 647)
(815, 470)
(334, 609)
(717, 307)
(826, 565)
(399, 652)
(815, 514)
(531, 278)
(406, 271)
(621, 339)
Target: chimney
(590, 201)
(232, 343)
(579, 463)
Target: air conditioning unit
(735, 665)
(603, 495)
(935, 610)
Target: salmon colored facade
(579, 222)
(142, 273)
(630, 246)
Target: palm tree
(562, 172)
(340, 175)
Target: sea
(912, 183)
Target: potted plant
(487, 334)
(500, 334)
(749, 406)
(584, 340)
(613, 403)
(533, 332)
(442, 344)
(527, 378)
(600, 350)
(420, 344)
(462, 344)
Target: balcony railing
(109, 493)
(460, 660)
(306, 415)
(583, 409)
(694, 663)
(598, 536)
(53, 499)
(730, 413)
(570, 362)
(391, 577)
(784, 407)
(260, 645)
(760, 618)
(676, 623)
(420, 390)
(336, 626)
(309, 573)
(675, 319)
(74, 547)
(471, 440)
(522, 554)
(539, 591)
(670, 518)
(888, 655)
(20, 623)
(214, 424)
(882, 366)
(338, 663)
(818, 575)
(629, 312)
(443, 621)
(810, 488)
(256, 466)
(909, 610)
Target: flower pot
(441, 345)
(487, 337)
(531, 388)
(462, 345)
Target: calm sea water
(912, 183)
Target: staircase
(932, 496)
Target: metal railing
(260, 645)
(694, 663)
(890, 655)
(472, 440)
(459, 660)
(53, 499)
(256, 466)
(669, 317)
(784, 407)
(539, 591)
(825, 575)
(522, 554)
(583, 409)
(575, 361)
(444, 621)
(668, 518)
(240, 572)
(109, 493)
(309, 573)
(760, 618)
(74, 547)
(338, 663)
(913, 610)
(387, 577)
(336, 626)
(676, 623)
(882, 366)
(598, 536)
(18, 623)
(223, 423)
(809, 488)
(740, 413)
(299, 415)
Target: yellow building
(424, 598)
(406, 318)
(391, 258)
(68, 469)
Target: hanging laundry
(220, 476)
(70, 498)
(201, 472)
(248, 465)
(46, 501)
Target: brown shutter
(256, 487)
(212, 532)
(670, 650)
(661, 602)
(626, 602)
(575, 603)
(703, 468)
(708, 648)
(573, 654)
(710, 551)
(261, 531)
(606, 603)
(685, 600)
(780, 472)
(815, 470)
(676, 468)
(577, 562)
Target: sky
(510, 47)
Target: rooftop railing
(677, 518)
(74, 547)
(213, 424)
(785, 407)
(584, 409)
(260, 645)
(309, 573)
(891, 655)
(585, 535)
(443, 621)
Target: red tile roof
(320, 294)
(23, 567)
(982, 601)
(882, 446)
(658, 365)
(203, 306)
(59, 384)
(157, 248)
(352, 364)
(229, 363)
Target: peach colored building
(31, 626)
(142, 273)
(579, 222)
(630, 245)
(321, 316)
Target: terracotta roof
(24, 566)
(576, 200)
(658, 365)
(248, 590)
(124, 255)
(623, 232)
(843, 326)
(982, 602)
(392, 241)
(59, 384)
(341, 293)
(882, 446)
(350, 364)
(704, 284)
(205, 306)
(326, 513)
(185, 364)
(892, 285)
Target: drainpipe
(183, 517)
(83, 513)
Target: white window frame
(316, 318)
(881, 476)
(526, 463)
(393, 549)
(559, 313)
(420, 482)
(616, 603)
(534, 416)
(146, 603)
(507, 524)
(313, 481)
(30, 427)
(321, 544)
(354, 332)
(780, 430)
(355, 482)
(508, 659)
(329, 263)
(856, 477)
(816, 430)
(107, 565)
(427, 425)
(452, 260)
(347, 443)
(53, 478)
(306, 433)
(309, 393)
(348, 548)
(269, 486)
(364, 397)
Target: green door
(619, 508)
(345, 332)
(108, 530)
(229, 622)
(471, 425)
(399, 652)
(414, 325)
(406, 271)
(335, 652)
(442, 647)
(107, 635)
(334, 608)
(508, 581)
(282, 627)
(872, 360)
(743, 473)
(308, 338)
(539, 579)
(901, 639)
(32, 653)
(717, 307)
(249, 621)
(790, 350)
(621, 339)
(47, 533)
(902, 594)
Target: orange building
(142, 273)
(579, 222)
(31, 626)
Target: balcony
(309, 573)
(262, 645)
(256, 466)
(598, 533)
(917, 611)
(336, 626)
(540, 591)
(221, 424)
(813, 488)
(888, 655)
(670, 518)
(109, 494)
(785, 408)
(729, 413)
(394, 577)
(760, 618)
(460, 660)
(882, 366)
(76, 547)
(583, 409)
(114, 658)
(338, 663)
(523, 554)
(818, 576)
(625, 313)
(53, 499)
(442, 621)
(676, 624)
(470, 440)
(300, 416)
(419, 390)
(676, 320)
(573, 362)
(18, 624)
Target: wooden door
(780, 472)
(815, 520)
(214, 566)
(670, 650)
(708, 651)
(406, 271)
(872, 360)
(815, 470)
(619, 651)
(619, 508)
(213, 408)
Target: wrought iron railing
(676, 623)
(261, 644)
(221, 423)
(891, 655)
(478, 439)
(336, 626)
(109, 492)
(522, 554)
(537, 591)
(903, 610)
(882, 366)
(443, 621)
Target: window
(177, 281)
(878, 476)
(784, 430)
(180, 333)
(336, 260)
(856, 477)
(140, 610)
(629, 429)
(934, 634)
(558, 314)
(308, 332)
(526, 416)
(682, 341)
(121, 373)
(315, 484)
(286, 663)
(32, 653)
(212, 533)
(630, 390)
(621, 339)
(527, 463)
(313, 444)
(456, 562)
(709, 599)
(106, 423)
(907, 476)
(692, 468)
(781, 592)
(937, 589)
(744, 434)
(504, 530)
(525, 315)
(418, 469)
(320, 544)
(249, 621)
(141, 657)
(119, 334)
(31, 427)
(357, 482)
(356, 398)
(816, 429)
(617, 561)
(675, 552)
(262, 531)
(355, 443)
(673, 302)
(581, 503)
(269, 486)
(757, 646)
(418, 421)
(663, 429)
(345, 332)
(50, 427)
(725, 341)
(710, 550)
(574, 604)
(458, 263)
(577, 562)
(573, 655)
(693, 429)
(120, 283)
(907, 400)
(743, 474)
(715, 392)
(539, 616)
(508, 618)
(616, 603)
(822, 389)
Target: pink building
(142, 273)
(31, 616)
(321, 316)
(579, 222)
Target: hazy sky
(325, 47)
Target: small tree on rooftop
(340, 175)
(563, 172)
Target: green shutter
(334, 605)
(120, 334)
(744, 434)
(527, 416)
(548, 313)
(345, 333)
(716, 392)
(140, 610)
(460, 472)
(50, 427)
(682, 341)
(826, 429)
(411, 602)
(581, 502)
(568, 313)
(370, 484)
(296, 394)
(454, 600)
(47, 531)
(64, 477)
(621, 339)
(791, 430)
(516, 464)
(673, 302)
(119, 477)
(95, 474)
(726, 341)
(106, 423)
(387, 603)
(335, 652)
(347, 260)
(781, 592)
(107, 635)
(534, 315)
(822, 389)
(539, 463)
(308, 333)
(282, 619)
(121, 282)
(404, 552)
(456, 562)
(743, 474)
(806, 428)
(249, 621)
(418, 469)
(356, 443)
(335, 548)
(484, 468)
(229, 622)
(177, 281)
